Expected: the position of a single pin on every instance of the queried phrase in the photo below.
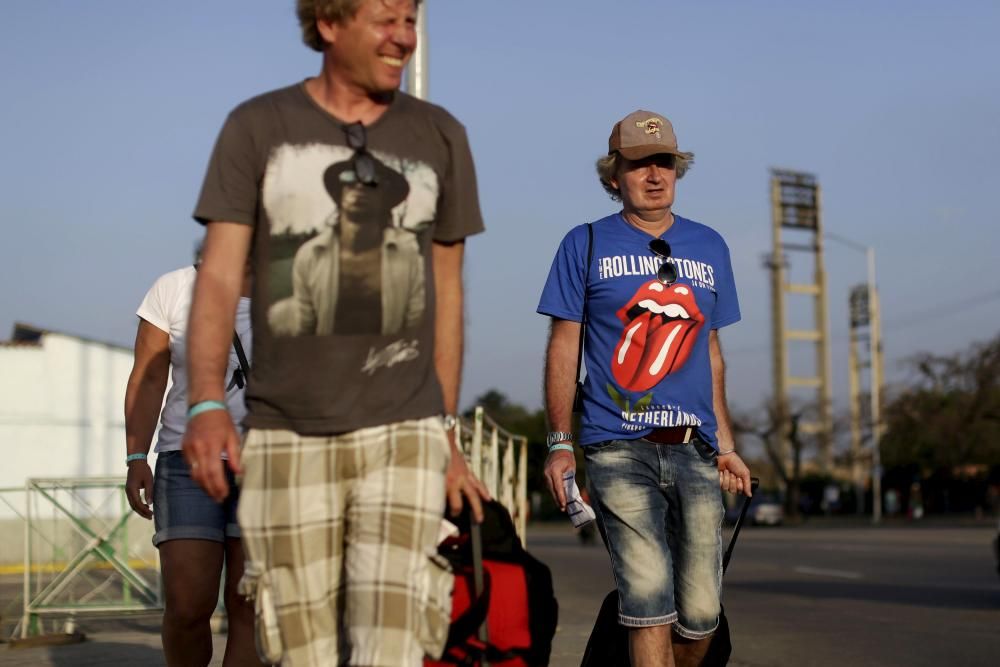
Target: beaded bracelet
(138, 456)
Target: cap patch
(651, 126)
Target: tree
(768, 429)
(518, 420)
(950, 414)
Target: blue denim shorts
(659, 509)
(182, 511)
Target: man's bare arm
(448, 348)
(560, 388)
(719, 403)
(213, 309)
(734, 475)
(143, 399)
(560, 373)
(448, 324)
(210, 332)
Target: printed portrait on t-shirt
(347, 257)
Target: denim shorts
(659, 509)
(183, 511)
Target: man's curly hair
(329, 10)
(608, 165)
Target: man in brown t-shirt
(353, 201)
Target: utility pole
(795, 205)
(416, 73)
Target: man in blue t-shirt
(653, 289)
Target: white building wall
(62, 405)
(62, 409)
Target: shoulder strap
(238, 346)
(584, 318)
(241, 374)
(586, 282)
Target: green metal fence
(85, 553)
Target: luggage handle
(476, 533)
(754, 483)
(480, 592)
(473, 617)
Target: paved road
(861, 596)
(827, 595)
(813, 595)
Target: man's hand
(557, 465)
(459, 481)
(734, 475)
(207, 436)
(139, 488)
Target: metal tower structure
(795, 209)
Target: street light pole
(416, 74)
(875, 372)
(875, 356)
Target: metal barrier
(84, 560)
(500, 459)
(93, 565)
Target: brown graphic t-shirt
(343, 303)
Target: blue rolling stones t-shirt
(646, 351)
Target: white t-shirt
(166, 307)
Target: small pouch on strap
(256, 586)
(435, 598)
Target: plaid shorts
(340, 535)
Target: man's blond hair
(334, 11)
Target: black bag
(608, 643)
(500, 587)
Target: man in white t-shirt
(195, 535)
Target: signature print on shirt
(661, 324)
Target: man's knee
(189, 608)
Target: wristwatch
(555, 437)
(449, 421)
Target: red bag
(515, 599)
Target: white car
(765, 510)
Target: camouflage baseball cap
(641, 134)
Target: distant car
(765, 510)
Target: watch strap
(555, 437)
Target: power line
(908, 319)
(967, 304)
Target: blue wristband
(205, 406)
(138, 456)
(560, 446)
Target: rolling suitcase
(608, 643)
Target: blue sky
(110, 109)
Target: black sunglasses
(667, 273)
(363, 163)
